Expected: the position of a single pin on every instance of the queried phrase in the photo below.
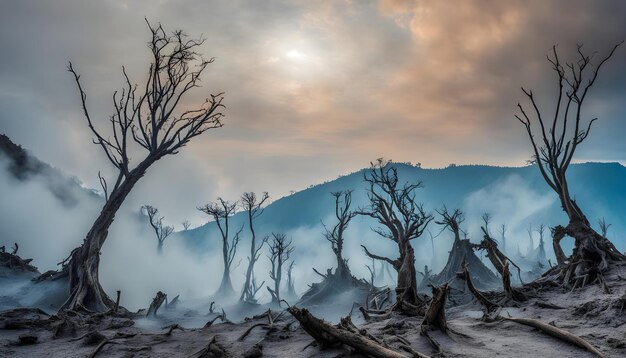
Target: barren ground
(589, 313)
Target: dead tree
(149, 117)
(343, 199)
(489, 306)
(280, 250)
(495, 256)
(161, 232)
(462, 251)
(531, 241)
(560, 132)
(252, 205)
(156, 303)
(541, 250)
(503, 237)
(341, 279)
(291, 289)
(186, 225)
(435, 316)
(402, 219)
(537, 254)
(604, 227)
(327, 335)
(221, 211)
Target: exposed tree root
(369, 315)
(377, 298)
(327, 335)
(99, 347)
(549, 305)
(171, 328)
(558, 333)
(221, 317)
(212, 350)
(269, 326)
(435, 317)
(593, 256)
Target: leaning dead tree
(335, 236)
(156, 222)
(252, 205)
(394, 206)
(221, 211)
(280, 251)
(560, 132)
(495, 256)
(149, 117)
(462, 251)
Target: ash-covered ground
(247, 331)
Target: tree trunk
(343, 271)
(246, 293)
(406, 289)
(226, 286)
(279, 276)
(557, 236)
(85, 291)
(592, 252)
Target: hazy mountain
(516, 196)
(23, 166)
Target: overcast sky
(314, 89)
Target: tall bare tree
(253, 207)
(149, 118)
(291, 288)
(161, 232)
(335, 236)
(402, 219)
(280, 251)
(221, 211)
(541, 255)
(561, 130)
(186, 225)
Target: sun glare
(295, 55)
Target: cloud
(435, 82)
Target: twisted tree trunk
(86, 293)
(406, 289)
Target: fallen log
(327, 335)
(557, 333)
